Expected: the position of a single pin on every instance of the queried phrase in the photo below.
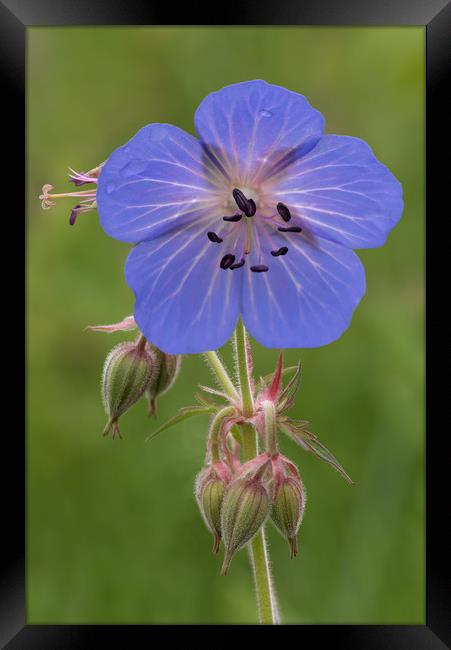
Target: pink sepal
(222, 471)
(252, 466)
(290, 466)
(127, 324)
(224, 432)
(278, 473)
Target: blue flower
(257, 218)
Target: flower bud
(210, 488)
(164, 377)
(244, 510)
(288, 509)
(126, 374)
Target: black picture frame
(18, 15)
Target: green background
(114, 535)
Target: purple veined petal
(307, 297)
(161, 179)
(340, 191)
(185, 303)
(250, 128)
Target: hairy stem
(141, 342)
(258, 551)
(269, 412)
(242, 361)
(215, 430)
(216, 365)
(266, 598)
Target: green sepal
(288, 394)
(183, 414)
(206, 401)
(310, 442)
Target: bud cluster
(235, 499)
(167, 368)
(210, 488)
(127, 372)
(132, 370)
(288, 510)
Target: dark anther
(280, 251)
(245, 205)
(259, 268)
(240, 200)
(74, 213)
(290, 229)
(238, 265)
(78, 182)
(235, 217)
(283, 211)
(227, 261)
(212, 236)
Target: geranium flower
(258, 217)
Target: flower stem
(266, 598)
(258, 552)
(216, 365)
(141, 342)
(242, 361)
(215, 430)
(269, 412)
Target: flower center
(250, 228)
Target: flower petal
(307, 297)
(185, 303)
(159, 180)
(341, 192)
(252, 127)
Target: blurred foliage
(114, 535)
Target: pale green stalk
(216, 365)
(258, 552)
(215, 429)
(269, 412)
(239, 341)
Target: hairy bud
(126, 374)
(244, 510)
(288, 509)
(168, 368)
(210, 487)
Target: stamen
(235, 217)
(213, 237)
(241, 200)
(283, 211)
(81, 178)
(247, 245)
(290, 229)
(252, 208)
(74, 214)
(77, 179)
(227, 261)
(281, 251)
(259, 268)
(238, 265)
(84, 206)
(46, 203)
(46, 197)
